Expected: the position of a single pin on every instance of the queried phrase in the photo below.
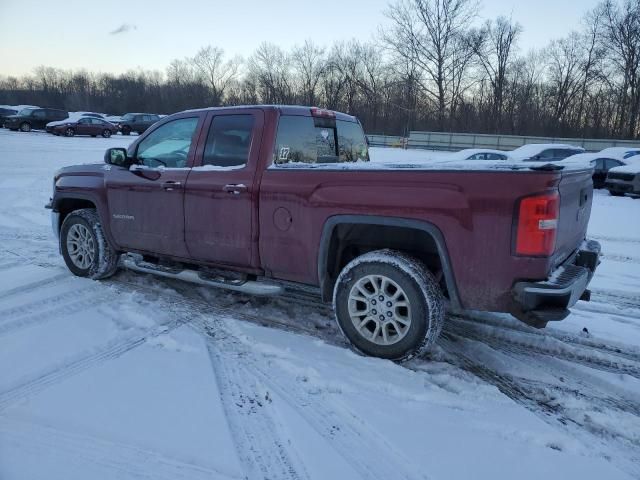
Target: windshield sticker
(284, 154)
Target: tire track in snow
(546, 347)
(38, 313)
(351, 437)
(118, 459)
(33, 384)
(262, 453)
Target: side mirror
(117, 156)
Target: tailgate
(576, 194)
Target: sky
(109, 37)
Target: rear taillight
(322, 112)
(537, 225)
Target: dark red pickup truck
(248, 197)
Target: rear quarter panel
(473, 210)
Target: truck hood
(93, 169)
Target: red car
(252, 198)
(86, 126)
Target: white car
(479, 154)
(545, 152)
(626, 178)
(623, 152)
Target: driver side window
(168, 146)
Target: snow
(139, 377)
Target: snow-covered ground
(136, 377)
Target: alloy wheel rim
(80, 246)
(379, 309)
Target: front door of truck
(221, 193)
(146, 201)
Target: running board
(250, 287)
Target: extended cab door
(222, 189)
(146, 201)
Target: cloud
(124, 28)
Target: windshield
(25, 112)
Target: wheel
(84, 247)
(615, 194)
(126, 130)
(388, 305)
(25, 127)
(69, 132)
(106, 133)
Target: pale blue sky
(74, 34)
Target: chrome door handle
(235, 188)
(171, 185)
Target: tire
(126, 131)
(82, 232)
(25, 127)
(616, 194)
(69, 132)
(106, 133)
(410, 330)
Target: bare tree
(494, 46)
(428, 33)
(217, 72)
(621, 37)
(309, 63)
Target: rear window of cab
(310, 140)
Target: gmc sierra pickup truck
(251, 198)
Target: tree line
(430, 67)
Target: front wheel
(388, 305)
(69, 132)
(84, 247)
(106, 133)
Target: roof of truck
(298, 110)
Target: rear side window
(319, 140)
(229, 141)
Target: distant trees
(434, 66)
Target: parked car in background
(28, 119)
(73, 117)
(625, 179)
(601, 163)
(136, 122)
(480, 154)
(4, 113)
(85, 126)
(545, 152)
(622, 152)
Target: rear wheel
(388, 305)
(25, 127)
(126, 130)
(106, 133)
(84, 247)
(69, 132)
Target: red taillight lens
(537, 225)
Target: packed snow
(139, 377)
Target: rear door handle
(235, 188)
(171, 185)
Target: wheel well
(349, 241)
(67, 205)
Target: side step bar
(250, 287)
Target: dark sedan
(86, 126)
